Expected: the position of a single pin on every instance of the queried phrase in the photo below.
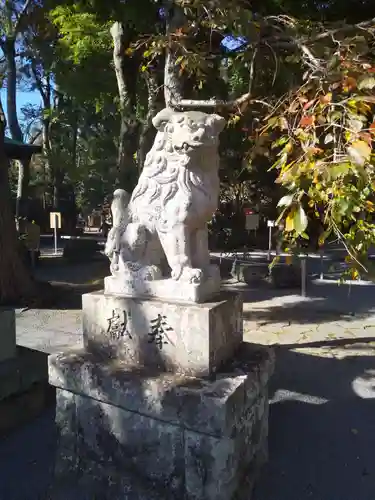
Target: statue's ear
(218, 123)
(162, 118)
(122, 196)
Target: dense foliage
(294, 80)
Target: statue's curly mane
(166, 175)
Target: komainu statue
(168, 211)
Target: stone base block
(165, 288)
(7, 334)
(132, 433)
(24, 390)
(189, 338)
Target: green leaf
(272, 122)
(339, 169)
(280, 142)
(286, 201)
(342, 206)
(300, 220)
(324, 236)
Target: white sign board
(252, 222)
(53, 218)
(271, 223)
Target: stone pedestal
(189, 338)
(184, 437)
(174, 411)
(24, 390)
(7, 334)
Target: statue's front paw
(176, 273)
(191, 275)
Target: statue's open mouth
(188, 146)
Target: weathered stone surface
(19, 373)
(168, 212)
(196, 438)
(164, 288)
(20, 408)
(66, 423)
(131, 441)
(24, 390)
(189, 338)
(7, 334)
(209, 405)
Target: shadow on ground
(322, 428)
(325, 302)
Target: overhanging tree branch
(21, 16)
(215, 104)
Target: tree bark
(125, 70)
(154, 104)
(173, 91)
(16, 282)
(14, 127)
(10, 55)
(22, 187)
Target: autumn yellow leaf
(370, 206)
(355, 274)
(359, 152)
(289, 222)
(349, 84)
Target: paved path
(48, 330)
(322, 418)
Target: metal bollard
(303, 276)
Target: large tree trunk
(14, 127)
(46, 130)
(173, 87)
(16, 282)
(126, 70)
(22, 187)
(48, 175)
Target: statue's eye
(193, 126)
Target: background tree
(15, 278)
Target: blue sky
(23, 98)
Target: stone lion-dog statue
(176, 196)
